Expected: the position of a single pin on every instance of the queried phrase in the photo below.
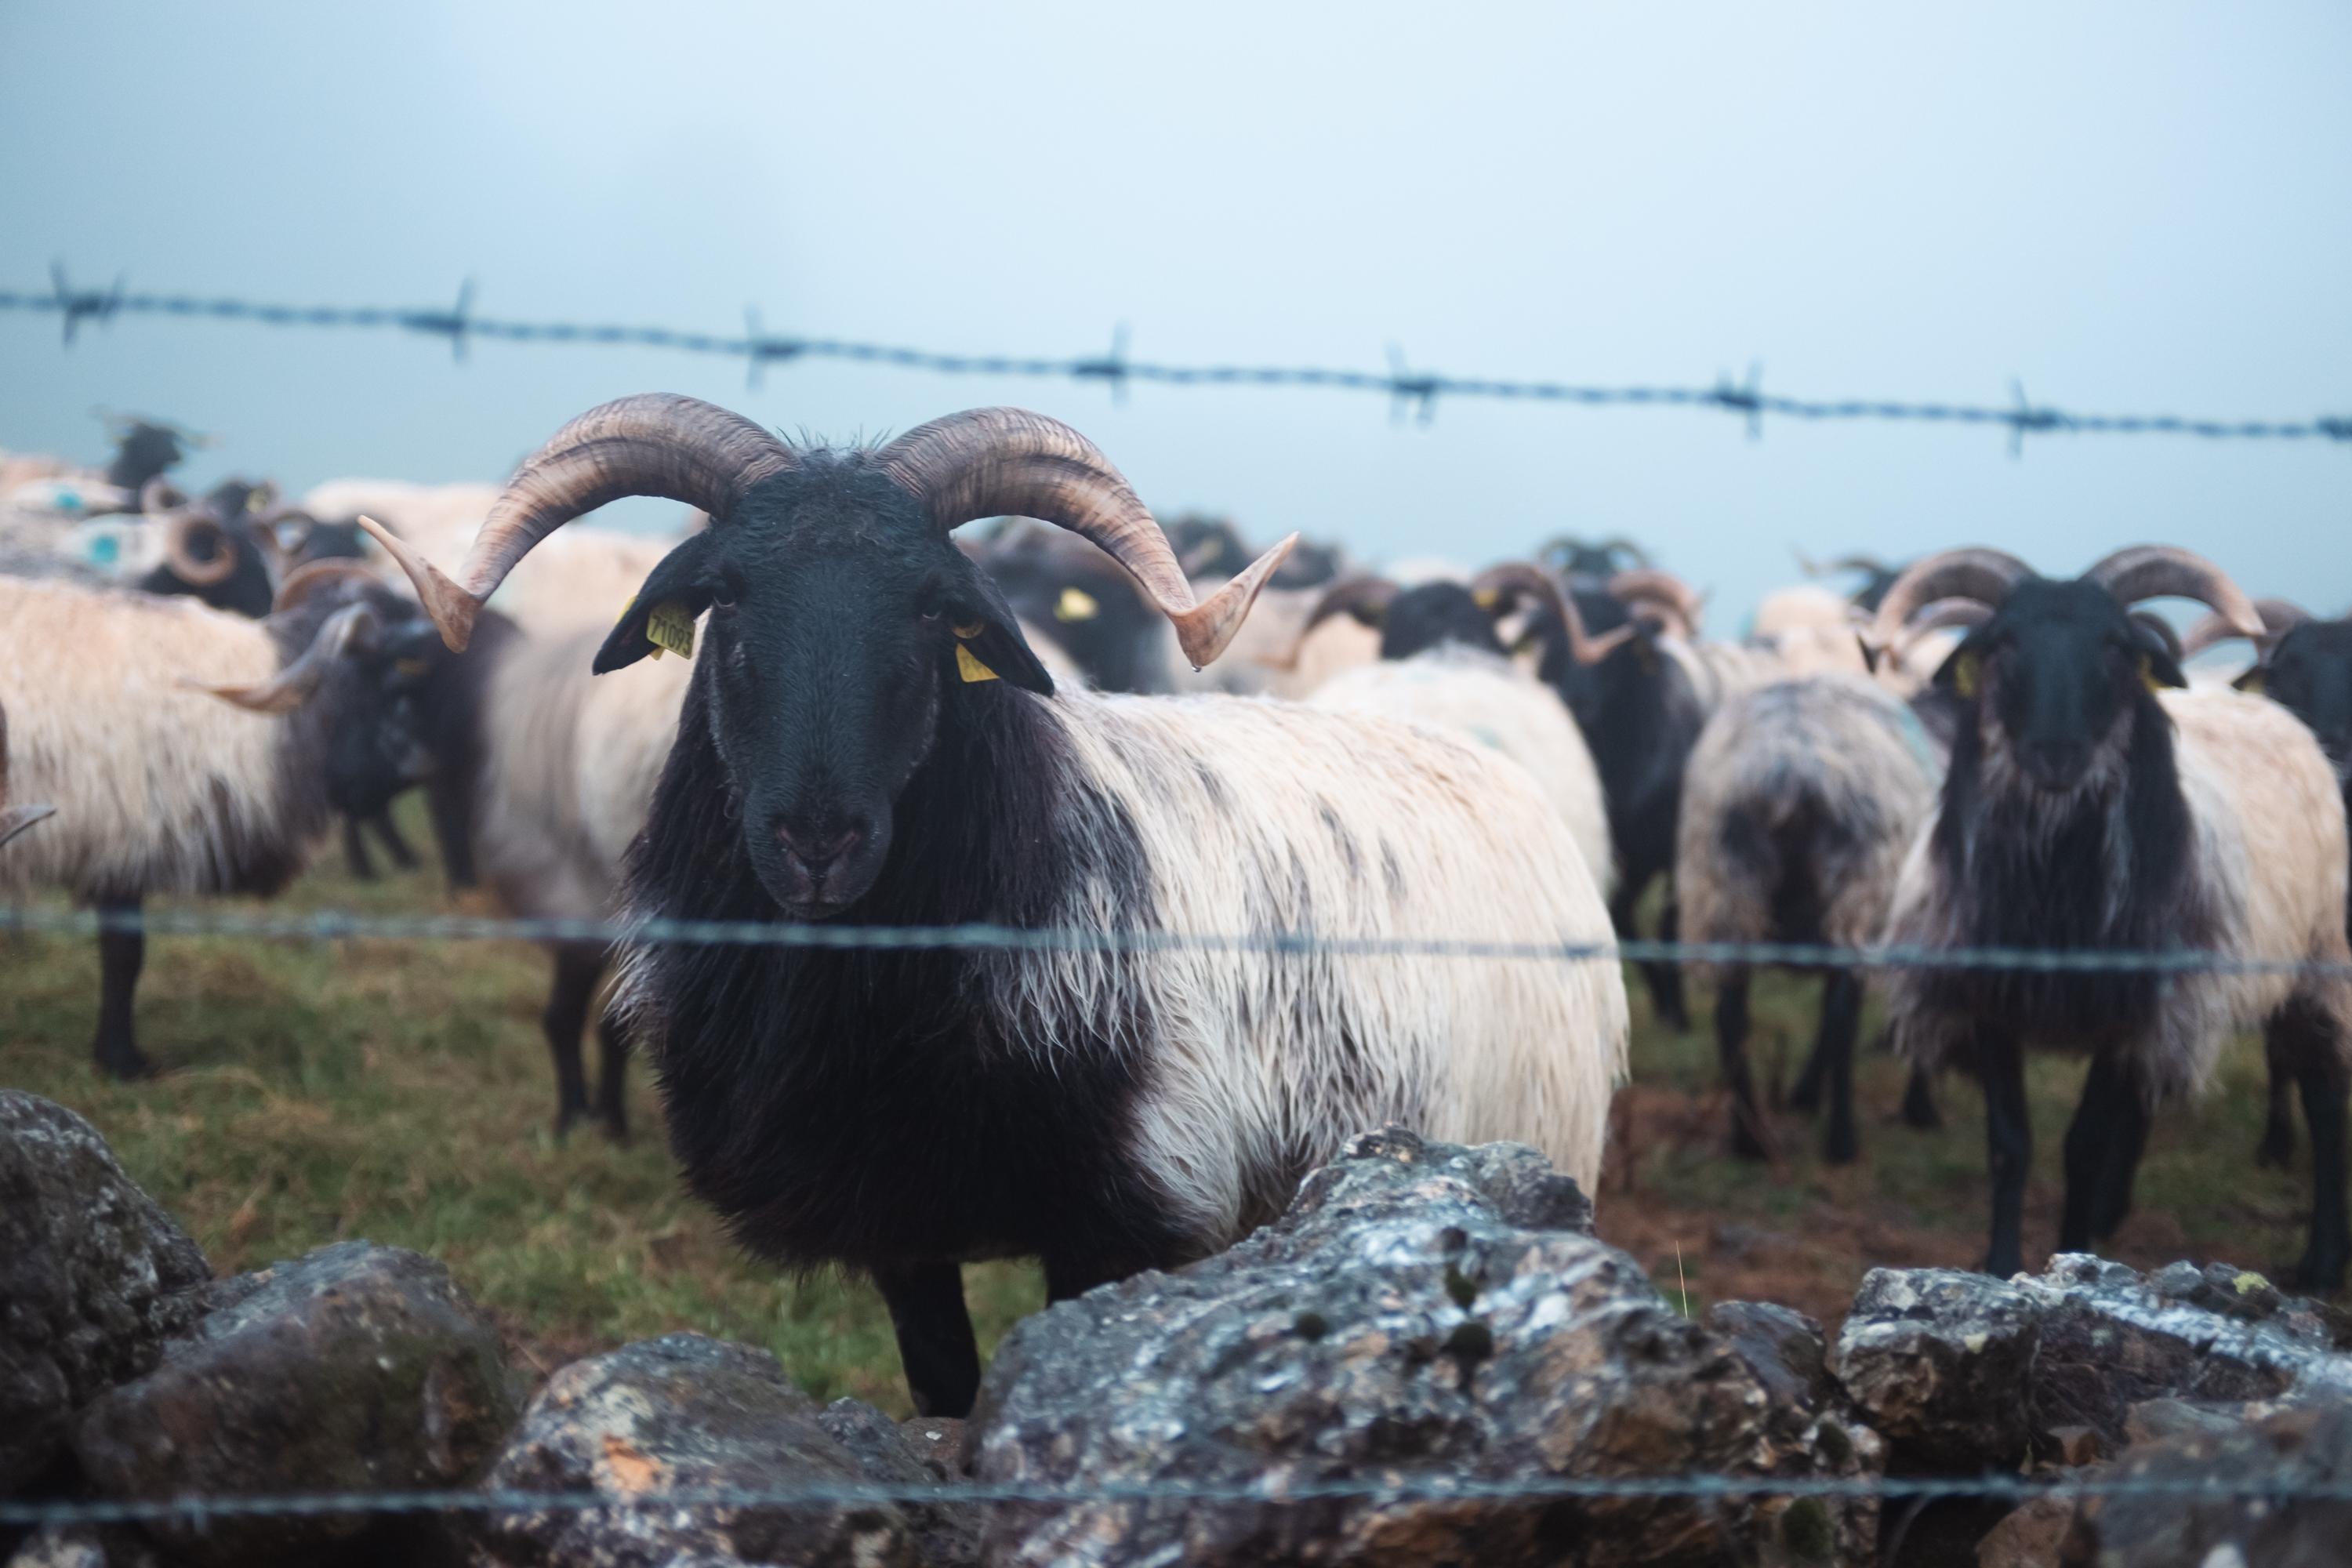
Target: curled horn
(309, 578)
(181, 533)
(2277, 616)
(298, 681)
(1983, 575)
(158, 495)
(1943, 615)
(1647, 588)
(14, 819)
(2165, 570)
(1516, 577)
(987, 461)
(655, 443)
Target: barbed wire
(194, 1511)
(1408, 390)
(337, 925)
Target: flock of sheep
(1080, 721)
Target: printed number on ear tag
(969, 667)
(671, 626)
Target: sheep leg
(2103, 1145)
(356, 860)
(936, 1344)
(120, 955)
(1840, 1023)
(1747, 1136)
(1662, 983)
(2008, 1145)
(1919, 1101)
(613, 1076)
(402, 856)
(2277, 1147)
(1666, 990)
(578, 967)
(2301, 1036)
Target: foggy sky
(2128, 208)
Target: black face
(144, 451)
(1593, 691)
(1079, 597)
(840, 623)
(376, 745)
(2057, 672)
(1433, 615)
(2309, 673)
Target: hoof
(1919, 1107)
(1746, 1145)
(616, 1130)
(2001, 1267)
(1806, 1096)
(2276, 1150)
(1842, 1150)
(125, 1067)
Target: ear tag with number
(967, 664)
(671, 626)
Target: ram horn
(298, 682)
(158, 496)
(1942, 615)
(1647, 588)
(1976, 573)
(985, 462)
(183, 532)
(2168, 572)
(1513, 578)
(312, 576)
(654, 444)
(2213, 629)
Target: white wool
(1806, 607)
(1484, 699)
(2271, 848)
(1247, 811)
(152, 781)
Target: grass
(401, 1092)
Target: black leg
(1672, 1011)
(355, 852)
(2128, 1121)
(2301, 1036)
(1805, 1094)
(1840, 1023)
(2103, 1145)
(120, 955)
(578, 967)
(2277, 1147)
(1747, 1136)
(1919, 1101)
(2008, 1145)
(936, 1344)
(1662, 983)
(393, 844)
(613, 1077)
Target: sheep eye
(723, 597)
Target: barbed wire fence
(1409, 390)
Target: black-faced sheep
(867, 736)
(2091, 805)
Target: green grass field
(401, 1092)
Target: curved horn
(986, 461)
(158, 495)
(1513, 577)
(1646, 587)
(655, 443)
(1618, 544)
(312, 576)
(298, 682)
(1976, 572)
(2165, 570)
(2211, 630)
(1943, 615)
(180, 536)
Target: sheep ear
(2158, 667)
(2252, 681)
(677, 586)
(1962, 673)
(992, 646)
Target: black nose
(817, 849)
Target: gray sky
(2130, 208)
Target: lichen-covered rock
(93, 1275)
(947, 1535)
(86, 1546)
(1423, 1311)
(2250, 1521)
(356, 1367)
(686, 1414)
(1960, 1370)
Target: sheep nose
(819, 848)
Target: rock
(687, 1413)
(1422, 1311)
(93, 1275)
(2038, 1535)
(356, 1368)
(1784, 1349)
(940, 1440)
(1962, 1371)
(85, 1546)
(946, 1535)
(2157, 1420)
(2255, 1527)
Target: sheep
(1442, 665)
(14, 819)
(2091, 803)
(220, 549)
(1798, 804)
(161, 792)
(867, 736)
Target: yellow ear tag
(2250, 683)
(970, 669)
(1487, 598)
(1964, 675)
(1076, 605)
(2148, 674)
(410, 666)
(671, 626)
